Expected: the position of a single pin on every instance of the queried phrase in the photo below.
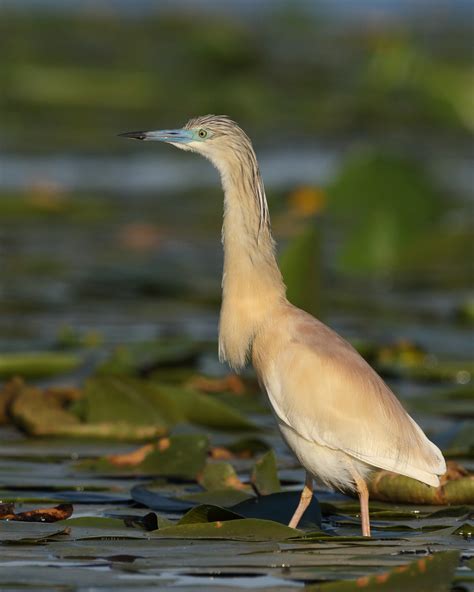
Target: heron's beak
(178, 136)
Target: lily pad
(206, 410)
(434, 573)
(208, 513)
(28, 532)
(220, 475)
(180, 457)
(265, 474)
(37, 364)
(246, 529)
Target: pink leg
(305, 500)
(363, 493)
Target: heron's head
(216, 137)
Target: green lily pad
(246, 529)
(37, 364)
(98, 527)
(434, 573)
(220, 475)
(208, 513)
(28, 532)
(182, 457)
(207, 410)
(156, 407)
(466, 530)
(265, 474)
(122, 400)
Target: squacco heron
(333, 410)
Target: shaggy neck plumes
(252, 284)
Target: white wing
(324, 390)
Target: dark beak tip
(133, 135)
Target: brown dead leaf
(63, 394)
(220, 453)
(231, 382)
(454, 471)
(61, 512)
(131, 459)
(7, 511)
(8, 393)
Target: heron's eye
(202, 133)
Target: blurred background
(361, 115)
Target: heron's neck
(252, 285)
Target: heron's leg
(363, 493)
(305, 500)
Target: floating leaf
(37, 364)
(220, 475)
(246, 529)
(180, 457)
(434, 573)
(39, 414)
(208, 513)
(206, 410)
(265, 475)
(28, 532)
(117, 399)
(98, 527)
(466, 530)
(123, 400)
